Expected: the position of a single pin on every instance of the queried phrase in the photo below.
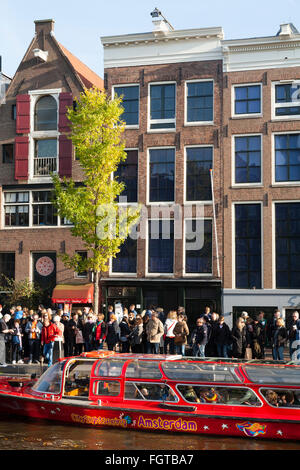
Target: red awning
(79, 294)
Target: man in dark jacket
(294, 335)
(222, 337)
(199, 338)
(211, 347)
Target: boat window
(110, 368)
(77, 378)
(107, 387)
(143, 370)
(50, 380)
(281, 398)
(149, 391)
(239, 396)
(193, 371)
(273, 374)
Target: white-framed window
(131, 100)
(198, 247)
(30, 209)
(247, 159)
(160, 247)
(286, 99)
(247, 100)
(161, 175)
(247, 245)
(162, 106)
(44, 134)
(198, 162)
(199, 102)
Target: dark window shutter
(65, 100)
(65, 156)
(23, 114)
(21, 157)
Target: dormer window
(45, 116)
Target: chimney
(287, 30)
(161, 26)
(44, 26)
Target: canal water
(29, 434)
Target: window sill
(199, 123)
(246, 116)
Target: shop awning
(73, 294)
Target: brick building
(171, 83)
(261, 145)
(33, 143)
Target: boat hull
(148, 420)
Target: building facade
(261, 142)
(171, 83)
(34, 143)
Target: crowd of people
(31, 336)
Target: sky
(80, 24)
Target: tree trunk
(96, 292)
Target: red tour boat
(224, 397)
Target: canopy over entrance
(74, 294)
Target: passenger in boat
(210, 395)
(271, 397)
(278, 340)
(181, 332)
(239, 341)
(190, 395)
(199, 338)
(154, 330)
(169, 336)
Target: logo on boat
(167, 424)
(252, 429)
(98, 420)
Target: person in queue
(34, 330)
(125, 331)
(181, 332)
(169, 336)
(99, 332)
(222, 337)
(239, 341)
(154, 331)
(87, 333)
(112, 336)
(278, 340)
(199, 338)
(294, 336)
(49, 331)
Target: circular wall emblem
(44, 266)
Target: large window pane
(125, 261)
(287, 157)
(287, 245)
(198, 164)
(127, 173)
(162, 168)
(130, 103)
(248, 246)
(247, 99)
(198, 260)
(200, 101)
(161, 246)
(162, 106)
(248, 159)
(45, 118)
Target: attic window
(45, 117)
